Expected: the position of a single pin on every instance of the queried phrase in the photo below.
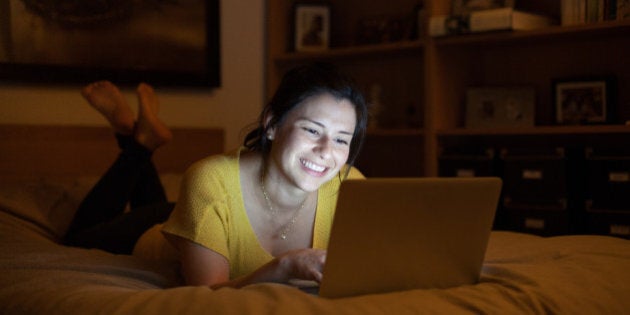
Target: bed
(45, 170)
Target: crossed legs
(101, 220)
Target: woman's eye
(311, 131)
(342, 141)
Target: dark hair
(299, 84)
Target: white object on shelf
(487, 20)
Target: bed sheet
(522, 274)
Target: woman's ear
(271, 133)
(270, 130)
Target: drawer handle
(532, 174)
(618, 229)
(464, 172)
(618, 177)
(537, 224)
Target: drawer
(613, 223)
(542, 222)
(607, 185)
(536, 177)
(467, 163)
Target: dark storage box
(541, 191)
(607, 185)
(535, 176)
(467, 162)
(544, 222)
(614, 223)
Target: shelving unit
(538, 130)
(432, 75)
(379, 50)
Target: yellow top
(211, 212)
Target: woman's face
(313, 142)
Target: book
(487, 20)
(623, 9)
(574, 12)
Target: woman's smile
(314, 168)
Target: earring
(269, 136)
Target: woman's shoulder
(225, 162)
(211, 170)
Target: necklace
(289, 225)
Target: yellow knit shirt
(211, 212)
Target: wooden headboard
(78, 150)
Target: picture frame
(584, 101)
(165, 43)
(311, 26)
(463, 7)
(502, 107)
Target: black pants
(101, 221)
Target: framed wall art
(500, 107)
(159, 42)
(312, 26)
(584, 100)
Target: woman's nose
(324, 147)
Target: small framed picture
(584, 101)
(500, 107)
(462, 7)
(312, 26)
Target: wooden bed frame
(39, 150)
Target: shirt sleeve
(201, 214)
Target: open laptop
(393, 234)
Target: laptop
(394, 234)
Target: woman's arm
(200, 265)
(203, 266)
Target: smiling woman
(263, 214)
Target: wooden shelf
(608, 29)
(540, 130)
(396, 132)
(353, 51)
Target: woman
(263, 213)
(283, 182)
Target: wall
(232, 106)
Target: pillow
(47, 204)
(50, 203)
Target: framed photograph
(500, 107)
(312, 26)
(159, 42)
(463, 7)
(584, 101)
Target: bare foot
(150, 132)
(146, 94)
(107, 99)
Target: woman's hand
(202, 266)
(303, 264)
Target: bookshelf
(431, 76)
(380, 50)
